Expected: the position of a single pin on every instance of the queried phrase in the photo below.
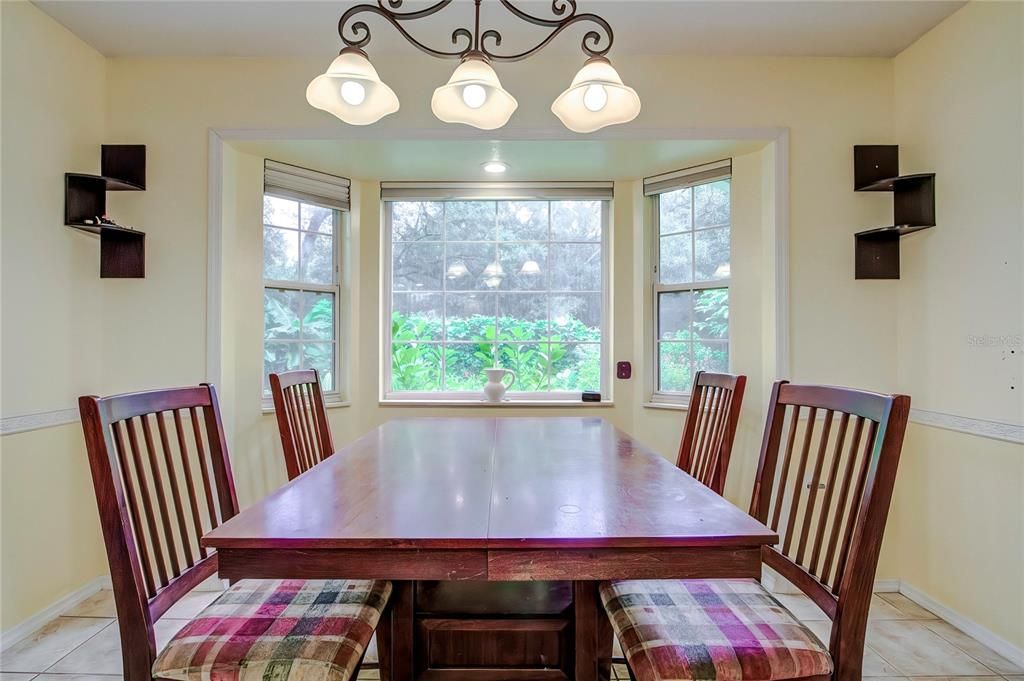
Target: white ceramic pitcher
(496, 387)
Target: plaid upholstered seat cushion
(289, 630)
(710, 630)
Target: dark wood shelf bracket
(122, 168)
(876, 169)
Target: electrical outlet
(623, 370)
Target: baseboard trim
(976, 631)
(26, 627)
(887, 586)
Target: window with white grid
(301, 289)
(480, 283)
(692, 239)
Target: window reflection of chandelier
(351, 89)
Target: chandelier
(351, 89)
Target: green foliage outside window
(299, 340)
(704, 339)
(542, 360)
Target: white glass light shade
(494, 270)
(351, 90)
(596, 98)
(457, 269)
(530, 267)
(460, 100)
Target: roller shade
(282, 179)
(450, 191)
(688, 177)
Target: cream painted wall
(52, 302)
(956, 334)
(959, 104)
(47, 131)
(958, 526)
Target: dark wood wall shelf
(122, 168)
(876, 169)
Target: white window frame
(692, 177)
(487, 193)
(337, 395)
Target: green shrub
(538, 355)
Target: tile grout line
(72, 651)
(881, 657)
(961, 649)
(935, 618)
(967, 653)
(900, 672)
(991, 671)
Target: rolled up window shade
(454, 191)
(688, 177)
(312, 186)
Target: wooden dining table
(535, 511)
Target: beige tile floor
(905, 642)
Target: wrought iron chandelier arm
(359, 31)
(415, 14)
(558, 8)
(594, 44)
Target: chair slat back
(301, 419)
(710, 428)
(824, 483)
(162, 478)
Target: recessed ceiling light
(495, 167)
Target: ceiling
(567, 160)
(836, 28)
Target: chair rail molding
(22, 423)
(996, 430)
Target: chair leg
(605, 644)
(625, 662)
(383, 634)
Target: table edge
(499, 543)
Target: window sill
(269, 408)
(665, 405)
(570, 404)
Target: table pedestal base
(495, 631)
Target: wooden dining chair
(824, 483)
(711, 419)
(162, 477)
(301, 420)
